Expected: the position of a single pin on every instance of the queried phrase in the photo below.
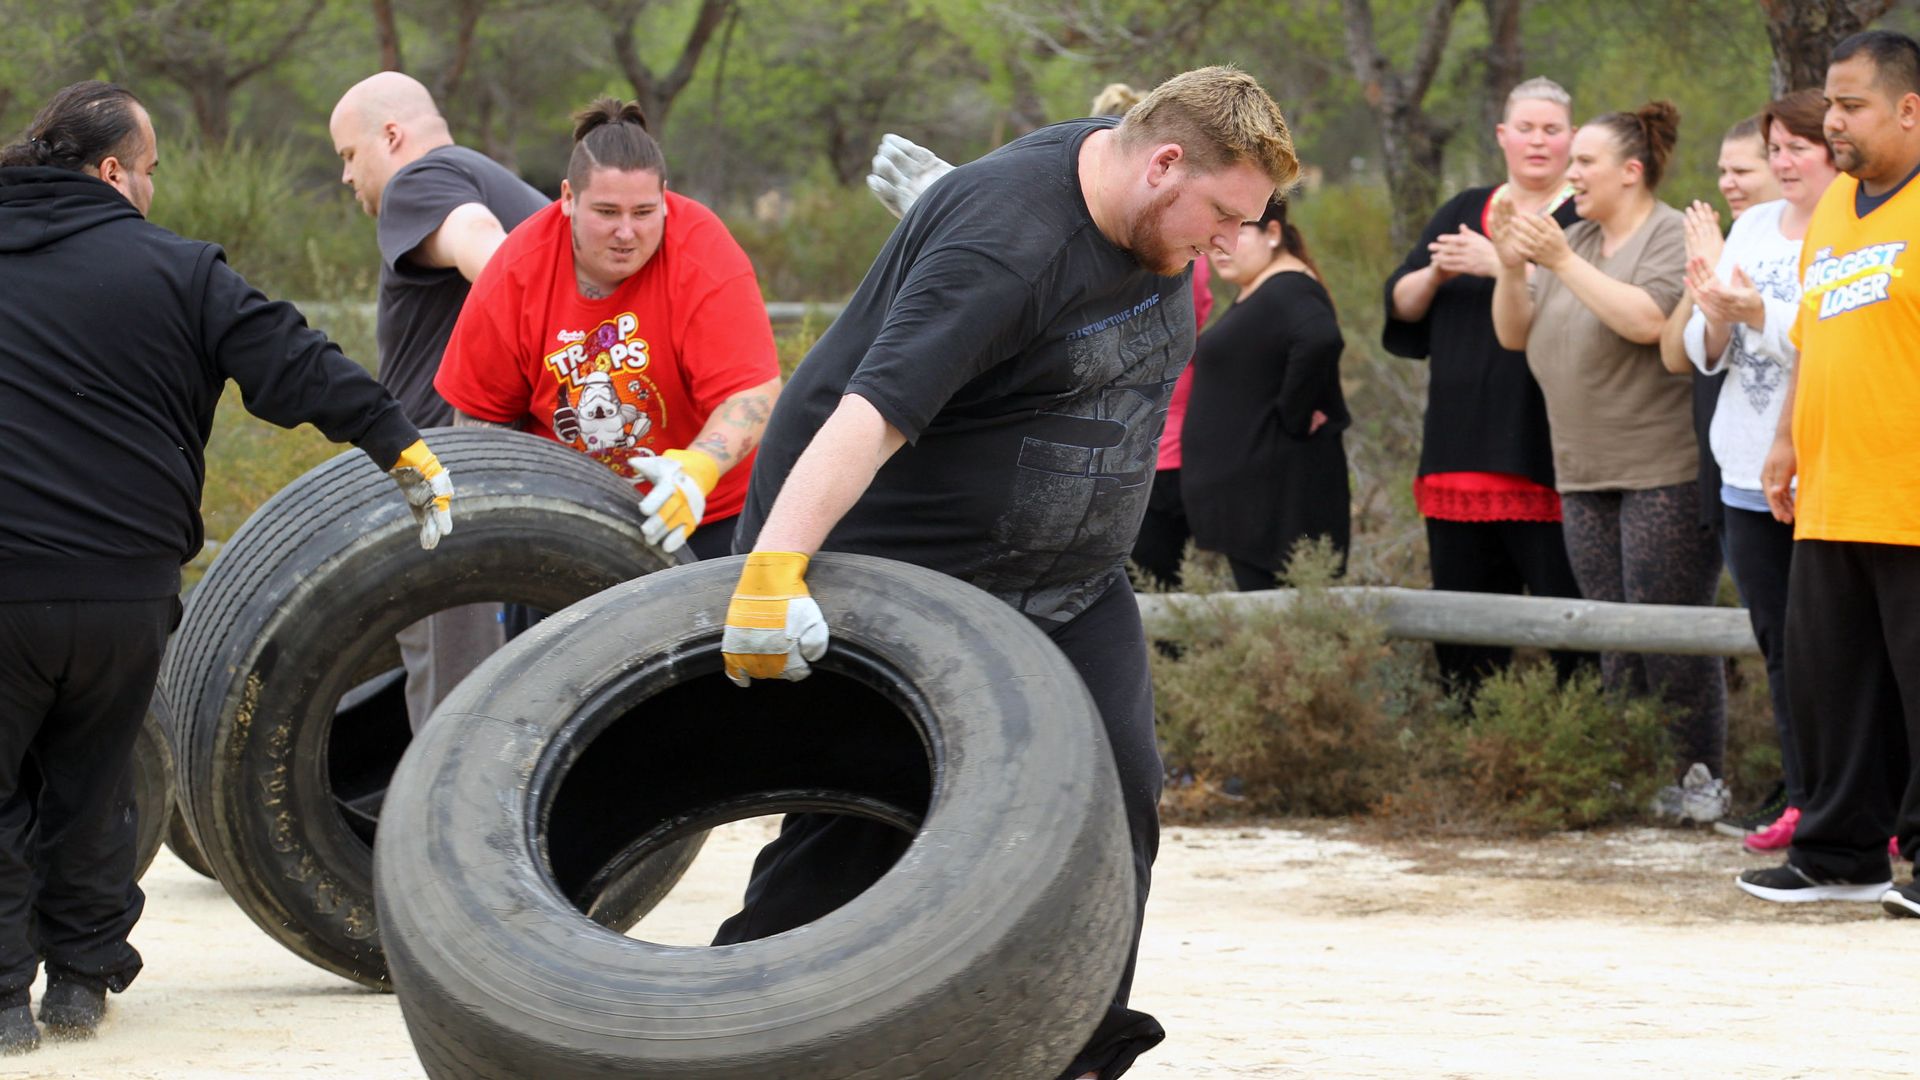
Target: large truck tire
(180, 841)
(285, 675)
(152, 782)
(990, 948)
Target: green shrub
(248, 460)
(1538, 755)
(288, 241)
(822, 245)
(1308, 707)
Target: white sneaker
(1699, 798)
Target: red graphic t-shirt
(628, 376)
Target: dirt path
(1304, 951)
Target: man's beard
(1848, 158)
(1146, 243)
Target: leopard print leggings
(1648, 547)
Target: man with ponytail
(103, 429)
(625, 321)
(987, 406)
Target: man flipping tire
(1022, 329)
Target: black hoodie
(116, 337)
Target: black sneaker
(73, 1004)
(1902, 900)
(1741, 826)
(17, 1033)
(1788, 884)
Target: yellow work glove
(429, 491)
(773, 625)
(681, 480)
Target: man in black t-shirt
(1022, 330)
(442, 210)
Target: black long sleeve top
(1485, 412)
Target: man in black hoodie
(116, 338)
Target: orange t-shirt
(634, 374)
(1856, 408)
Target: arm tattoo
(714, 445)
(747, 412)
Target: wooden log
(1460, 618)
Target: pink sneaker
(1777, 835)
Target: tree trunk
(656, 93)
(463, 35)
(1411, 143)
(212, 97)
(388, 32)
(1804, 32)
(1504, 63)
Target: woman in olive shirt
(1625, 457)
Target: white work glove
(681, 480)
(773, 624)
(902, 170)
(429, 491)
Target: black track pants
(75, 680)
(1853, 679)
(1760, 554)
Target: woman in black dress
(1264, 464)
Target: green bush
(290, 242)
(822, 245)
(1538, 755)
(1308, 707)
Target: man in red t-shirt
(624, 321)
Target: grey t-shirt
(419, 304)
(1620, 421)
(1027, 359)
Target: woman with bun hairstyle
(1589, 314)
(1264, 466)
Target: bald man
(442, 210)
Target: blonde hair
(1114, 99)
(1539, 89)
(1219, 117)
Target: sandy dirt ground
(1302, 950)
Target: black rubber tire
(288, 721)
(991, 948)
(153, 781)
(180, 841)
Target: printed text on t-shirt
(1837, 284)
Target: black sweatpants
(1853, 676)
(1507, 557)
(1760, 554)
(821, 861)
(1648, 547)
(75, 680)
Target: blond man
(1031, 310)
